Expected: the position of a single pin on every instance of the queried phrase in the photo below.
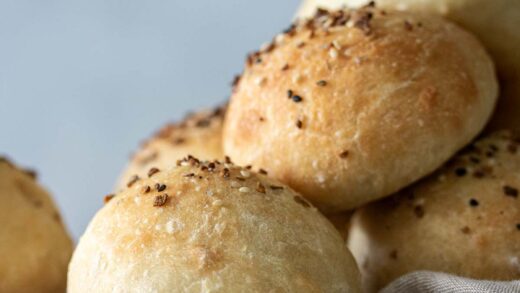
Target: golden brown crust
(212, 227)
(352, 106)
(495, 23)
(199, 135)
(463, 220)
(34, 246)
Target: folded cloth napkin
(431, 282)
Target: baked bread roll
(463, 220)
(494, 22)
(199, 135)
(35, 248)
(352, 106)
(210, 227)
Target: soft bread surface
(352, 106)
(199, 135)
(34, 245)
(220, 229)
(494, 22)
(463, 220)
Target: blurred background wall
(83, 82)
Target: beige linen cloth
(431, 282)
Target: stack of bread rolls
(372, 112)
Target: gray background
(83, 82)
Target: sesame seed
(473, 202)
(465, 230)
(152, 171)
(297, 99)
(178, 140)
(108, 197)
(321, 83)
(279, 38)
(275, 187)
(333, 53)
(203, 123)
(262, 171)
(460, 171)
(260, 81)
(474, 160)
(510, 191)
(407, 25)
(419, 211)
(518, 226)
(260, 188)
(244, 189)
(132, 180)
(160, 187)
(344, 154)
(296, 78)
(160, 200)
(336, 44)
(290, 93)
(301, 201)
(146, 189)
(235, 184)
(245, 174)
(299, 123)
(225, 173)
(227, 160)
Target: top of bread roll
(494, 22)
(463, 220)
(34, 246)
(351, 106)
(199, 135)
(210, 227)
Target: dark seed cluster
(160, 200)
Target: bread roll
(34, 246)
(494, 22)
(210, 227)
(463, 220)
(352, 106)
(199, 135)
